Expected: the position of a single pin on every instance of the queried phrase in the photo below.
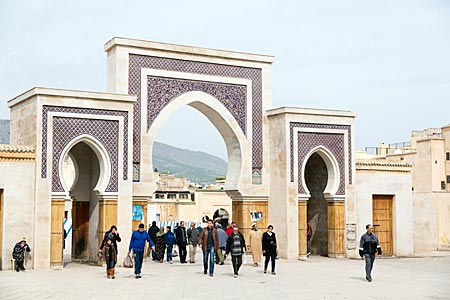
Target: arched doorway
(221, 216)
(85, 169)
(316, 177)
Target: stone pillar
(57, 233)
(243, 205)
(302, 227)
(107, 215)
(336, 226)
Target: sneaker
(308, 254)
(222, 263)
(235, 275)
(211, 275)
(273, 273)
(171, 262)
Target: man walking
(368, 246)
(236, 245)
(152, 231)
(209, 240)
(180, 235)
(137, 244)
(223, 237)
(193, 236)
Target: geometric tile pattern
(105, 131)
(137, 62)
(105, 112)
(333, 142)
(348, 128)
(163, 90)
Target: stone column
(57, 233)
(336, 226)
(302, 226)
(107, 215)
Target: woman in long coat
(255, 241)
(269, 246)
(160, 245)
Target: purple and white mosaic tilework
(333, 148)
(333, 142)
(137, 62)
(105, 131)
(163, 90)
(46, 109)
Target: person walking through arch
(236, 246)
(180, 235)
(269, 247)
(137, 244)
(209, 240)
(368, 247)
(255, 242)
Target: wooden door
(383, 222)
(80, 230)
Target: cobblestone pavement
(317, 278)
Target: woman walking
(269, 247)
(110, 256)
(255, 241)
(160, 245)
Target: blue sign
(138, 213)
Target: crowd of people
(215, 242)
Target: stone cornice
(16, 153)
(383, 166)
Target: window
(447, 156)
(171, 196)
(443, 185)
(448, 178)
(159, 196)
(184, 196)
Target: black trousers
(183, 252)
(272, 257)
(236, 260)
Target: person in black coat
(181, 237)
(236, 246)
(152, 231)
(269, 247)
(113, 235)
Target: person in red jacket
(229, 230)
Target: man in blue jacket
(137, 244)
(368, 247)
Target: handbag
(127, 262)
(175, 253)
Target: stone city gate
(110, 138)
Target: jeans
(269, 257)
(210, 252)
(110, 264)
(183, 252)
(370, 259)
(237, 263)
(169, 253)
(138, 259)
(192, 251)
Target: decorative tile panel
(105, 131)
(163, 90)
(46, 109)
(333, 142)
(137, 62)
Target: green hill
(195, 165)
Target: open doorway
(316, 178)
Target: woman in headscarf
(160, 245)
(255, 241)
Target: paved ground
(318, 278)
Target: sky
(387, 61)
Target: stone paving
(317, 278)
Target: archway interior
(221, 216)
(316, 178)
(190, 130)
(85, 217)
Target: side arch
(102, 156)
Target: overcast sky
(388, 61)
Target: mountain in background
(197, 166)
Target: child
(110, 256)
(169, 239)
